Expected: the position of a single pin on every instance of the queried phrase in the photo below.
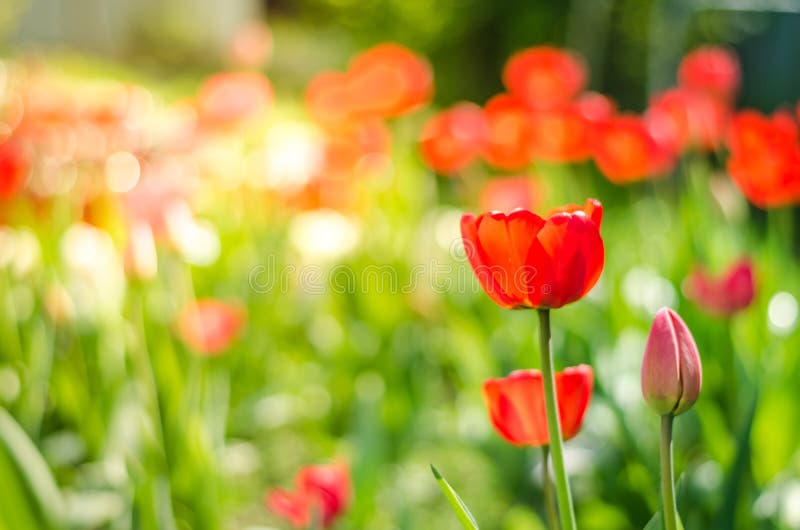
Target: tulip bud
(671, 371)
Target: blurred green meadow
(360, 333)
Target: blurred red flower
(523, 260)
(320, 491)
(764, 157)
(560, 134)
(516, 404)
(711, 69)
(724, 295)
(679, 118)
(388, 80)
(509, 193)
(595, 107)
(625, 150)
(251, 45)
(453, 138)
(229, 97)
(210, 326)
(544, 77)
(14, 166)
(328, 98)
(509, 133)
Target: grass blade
(462, 512)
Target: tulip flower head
(725, 295)
(210, 326)
(525, 261)
(672, 374)
(452, 139)
(322, 493)
(765, 158)
(516, 404)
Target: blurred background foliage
(111, 421)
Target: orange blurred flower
(509, 133)
(210, 326)
(764, 157)
(227, 98)
(388, 80)
(625, 150)
(453, 138)
(516, 404)
(251, 46)
(711, 69)
(680, 118)
(561, 134)
(544, 77)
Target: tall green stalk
(554, 425)
(668, 509)
(547, 486)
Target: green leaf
(462, 512)
(32, 467)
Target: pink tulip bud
(671, 371)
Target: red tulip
(725, 295)
(509, 133)
(14, 166)
(672, 374)
(561, 134)
(516, 404)
(595, 107)
(711, 69)
(452, 139)
(544, 77)
(523, 260)
(625, 150)
(210, 326)
(329, 99)
(764, 158)
(389, 80)
(509, 193)
(229, 97)
(679, 118)
(321, 491)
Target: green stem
(547, 485)
(554, 425)
(668, 509)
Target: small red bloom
(509, 133)
(595, 107)
(210, 326)
(230, 97)
(625, 150)
(516, 404)
(389, 80)
(678, 118)
(724, 295)
(452, 139)
(764, 158)
(544, 77)
(711, 69)
(321, 491)
(329, 98)
(509, 193)
(561, 134)
(14, 166)
(523, 260)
